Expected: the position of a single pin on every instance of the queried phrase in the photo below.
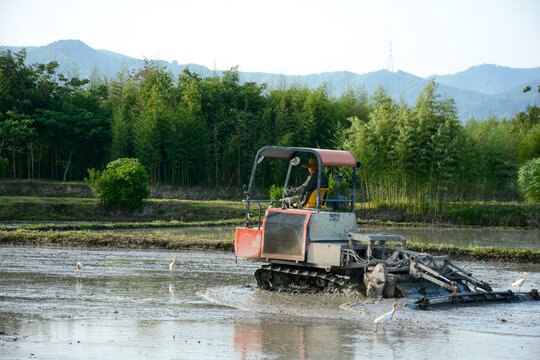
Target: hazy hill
(489, 78)
(402, 85)
(480, 91)
(78, 59)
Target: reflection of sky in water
(125, 304)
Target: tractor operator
(302, 192)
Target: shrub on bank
(529, 180)
(123, 183)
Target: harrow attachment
(474, 297)
(372, 266)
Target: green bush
(123, 183)
(529, 179)
(276, 192)
(529, 145)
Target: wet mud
(127, 304)
(519, 318)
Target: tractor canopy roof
(326, 157)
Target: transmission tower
(390, 66)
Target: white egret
(171, 265)
(385, 317)
(519, 282)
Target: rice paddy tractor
(315, 246)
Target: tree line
(204, 131)
(421, 155)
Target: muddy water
(127, 305)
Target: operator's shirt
(309, 185)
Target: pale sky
(292, 37)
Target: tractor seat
(312, 200)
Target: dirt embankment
(44, 189)
(79, 239)
(82, 190)
(13, 209)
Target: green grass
(494, 214)
(27, 208)
(120, 225)
(23, 208)
(499, 214)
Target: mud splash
(250, 298)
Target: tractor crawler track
(297, 279)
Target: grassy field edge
(29, 208)
(109, 240)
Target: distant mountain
(78, 59)
(489, 78)
(480, 91)
(402, 85)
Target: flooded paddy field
(460, 237)
(456, 236)
(126, 304)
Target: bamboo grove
(195, 131)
